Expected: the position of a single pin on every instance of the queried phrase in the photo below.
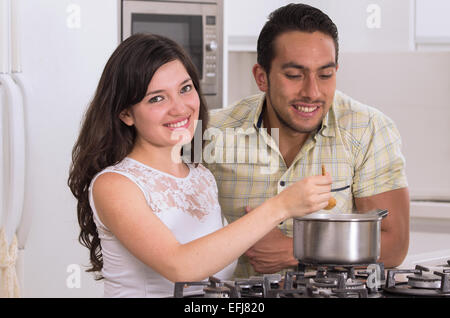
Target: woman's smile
(182, 123)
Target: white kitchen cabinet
(245, 19)
(432, 25)
(248, 17)
(364, 25)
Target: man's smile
(306, 110)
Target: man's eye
(186, 88)
(293, 75)
(326, 76)
(155, 99)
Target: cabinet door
(363, 25)
(244, 19)
(432, 22)
(247, 17)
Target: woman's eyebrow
(185, 81)
(161, 90)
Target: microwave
(195, 25)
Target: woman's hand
(308, 195)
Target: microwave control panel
(211, 46)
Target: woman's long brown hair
(104, 140)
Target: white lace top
(188, 206)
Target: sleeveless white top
(188, 206)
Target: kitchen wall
(240, 78)
(413, 89)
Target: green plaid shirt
(358, 145)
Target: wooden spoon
(332, 201)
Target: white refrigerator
(52, 53)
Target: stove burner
(436, 284)
(328, 281)
(355, 283)
(252, 287)
(428, 281)
(214, 288)
(216, 292)
(323, 282)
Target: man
(306, 123)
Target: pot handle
(382, 213)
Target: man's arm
(272, 253)
(395, 227)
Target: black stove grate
(330, 281)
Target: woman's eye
(186, 89)
(155, 99)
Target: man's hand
(272, 253)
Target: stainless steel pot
(352, 238)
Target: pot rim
(374, 215)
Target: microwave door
(186, 30)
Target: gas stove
(331, 281)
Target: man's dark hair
(293, 17)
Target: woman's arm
(121, 206)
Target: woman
(148, 218)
